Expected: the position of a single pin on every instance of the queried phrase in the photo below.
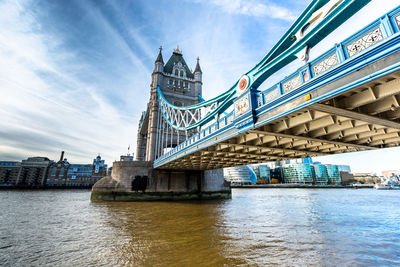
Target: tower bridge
(346, 100)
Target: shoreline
(6, 188)
(310, 186)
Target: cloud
(253, 8)
(46, 107)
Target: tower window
(178, 104)
(169, 82)
(181, 74)
(176, 72)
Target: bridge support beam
(138, 181)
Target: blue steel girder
(319, 19)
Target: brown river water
(257, 227)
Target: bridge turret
(198, 78)
(159, 63)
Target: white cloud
(46, 109)
(253, 8)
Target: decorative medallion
(305, 76)
(243, 84)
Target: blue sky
(75, 75)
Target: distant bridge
(346, 100)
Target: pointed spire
(198, 69)
(159, 57)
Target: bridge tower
(181, 87)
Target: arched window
(176, 72)
(61, 175)
(53, 171)
(181, 74)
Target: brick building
(64, 174)
(41, 172)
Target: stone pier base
(138, 181)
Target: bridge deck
(351, 106)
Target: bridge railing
(366, 38)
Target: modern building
(181, 87)
(34, 172)
(298, 173)
(9, 171)
(262, 172)
(242, 175)
(344, 168)
(321, 174)
(333, 174)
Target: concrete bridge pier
(138, 181)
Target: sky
(75, 75)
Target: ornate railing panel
(326, 64)
(398, 21)
(271, 95)
(291, 84)
(364, 42)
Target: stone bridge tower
(180, 86)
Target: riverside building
(307, 173)
(9, 171)
(293, 172)
(41, 172)
(64, 174)
(30, 173)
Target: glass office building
(333, 174)
(321, 174)
(302, 173)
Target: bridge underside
(367, 117)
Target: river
(257, 227)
